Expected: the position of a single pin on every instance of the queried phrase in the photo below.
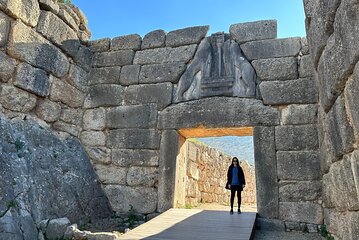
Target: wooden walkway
(195, 224)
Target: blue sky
(111, 18)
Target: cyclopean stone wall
(205, 175)
(332, 27)
(126, 98)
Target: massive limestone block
(7, 67)
(252, 31)
(307, 212)
(276, 68)
(218, 69)
(55, 30)
(135, 157)
(93, 138)
(48, 111)
(133, 139)
(72, 115)
(132, 41)
(46, 178)
(100, 155)
(165, 55)
(142, 199)
(65, 93)
(67, 128)
(104, 95)
(29, 46)
(306, 67)
(49, 5)
(100, 45)
(186, 36)
(129, 74)
(351, 95)
(296, 114)
(266, 172)
(116, 58)
(106, 75)
(298, 165)
(94, 119)
(210, 112)
(32, 79)
(27, 10)
(272, 48)
(157, 73)
(340, 185)
(134, 116)
(292, 191)
(293, 138)
(160, 94)
(110, 174)
(154, 39)
(16, 99)
(4, 28)
(78, 77)
(142, 176)
(68, 19)
(289, 92)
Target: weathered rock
(209, 112)
(154, 39)
(78, 77)
(305, 48)
(71, 12)
(55, 30)
(301, 212)
(93, 138)
(27, 10)
(186, 36)
(306, 67)
(104, 95)
(106, 75)
(156, 73)
(292, 191)
(299, 114)
(165, 55)
(64, 15)
(67, 127)
(298, 165)
(135, 157)
(7, 67)
(167, 169)
(132, 41)
(117, 58)
(52, 167)
(99, 154)
(65, 93)
(288, 92)
(129, 74)
(100, 45)
(134, 116)
(111, 175)
(72, 115)
(266, 172)
(134, 138)
(252, 31)
(48, 111)
(122, 198)
(94, 119)
(351, 95)
(27, 45)
(273, 48)
(15, 99)
(142, 176)
(4, 28)
(293, 138)
(160, 94)
(276, 68)
(56, 228)
(49, 5)
(32, 79)
(83, 56)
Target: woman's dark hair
(235, 159)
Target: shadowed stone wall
(332, 28)
(120, 98)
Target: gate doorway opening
(201, 167)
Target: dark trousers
(234, 189)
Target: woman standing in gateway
(235, 182)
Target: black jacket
(242, 180)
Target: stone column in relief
(167, 169)
(266, 172)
